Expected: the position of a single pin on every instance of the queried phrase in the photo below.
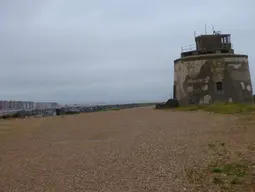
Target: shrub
(171, 103)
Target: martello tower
(212, 72)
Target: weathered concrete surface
(195, 79)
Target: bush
(171, 103)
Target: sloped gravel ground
(139, 149)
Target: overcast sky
(81, 51)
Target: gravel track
(139, 149)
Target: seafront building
(25, 105)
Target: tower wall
(205, 79)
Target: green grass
(238, 170)
(228, 171)
(231, 174)
(223, 108)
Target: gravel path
(131, 150)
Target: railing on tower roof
(188, 48)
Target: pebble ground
(132, 150)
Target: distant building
(3, 105)
(19, 105)
(46, 105)
(54, 105)
(25, 105)
(11, 105)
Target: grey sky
(78, 51)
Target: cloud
(93, 51)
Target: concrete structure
(212, 72)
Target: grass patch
(217, 180)
(228, 171)
(229, 108)
(230, 175)
(238, 170)
(224, 172)
(190, 108)
(236, 181)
